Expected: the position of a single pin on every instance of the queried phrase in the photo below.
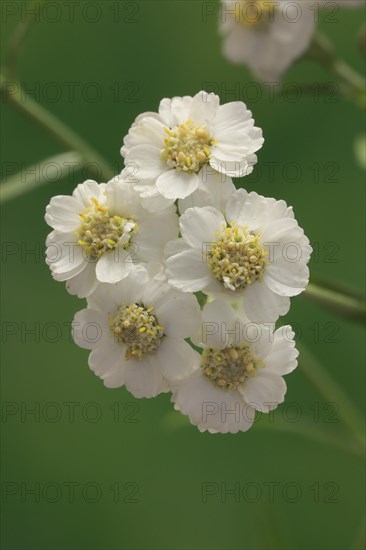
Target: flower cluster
(172, 232)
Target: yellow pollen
(188, 147)
(135, 327)
(237, 258)
(231, 367)
(101, 231)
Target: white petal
(84, 283)
(115, 378)
(143, 378)
(211, 408)
(175, 111)
(63, 213)
(144, 162)
(180, 315)
(177, 359)
(215, 190)
(261, 305)
(188, 271)
(233, 168)
(218, 324)
(199, 226)
(204, 108)
(147, 129)
(65, 258)
(157, 203)
(90, 329)
(121, 198)
(265, 391)
(281, 355)
(87, 190)
(235, 133)
(154, 232)
(114, 266)
(106, 359)
(175, 184)
(255, 211)
(109, 298)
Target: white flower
(215, 190)
(136, 331)
(241, 371)
(102, 232)
(267, 35)
(257, 254)
(167, 150)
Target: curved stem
(19, 34)
(13, 93)
(322, 51)
(343, 303)
(23, 182)
(307, 430)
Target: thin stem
(308, 430)
(23, 182)
(330, 390)
(338, 287)
(322, 51)
(345, 304)
(174, 421)
(13, 93)
(18, 36)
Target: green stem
(347, 305)
(18, 36)
(338, 287)
(13, 93)
(26, 181)
(322, 51)
(307, 430)
(331, 391)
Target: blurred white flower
(102, 232)
(241, 370)
(167, 151)
(256, 253)
(269, 35)
(136, 330)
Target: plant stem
(18, 36)
(13, 93)
(22, 183)
(328, 388)
(343, 303)
(307, 430)
(354, 85)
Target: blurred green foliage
(156, 49)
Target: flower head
(255, 255)
(169, 150)
(267, 35)
(136, 336)
(102, 232)
(241, 370)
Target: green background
(158, 460)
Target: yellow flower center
(136, 327)
(101, 232)
(255, 13)
(230, 367)
(236, 258)
(187, 147)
